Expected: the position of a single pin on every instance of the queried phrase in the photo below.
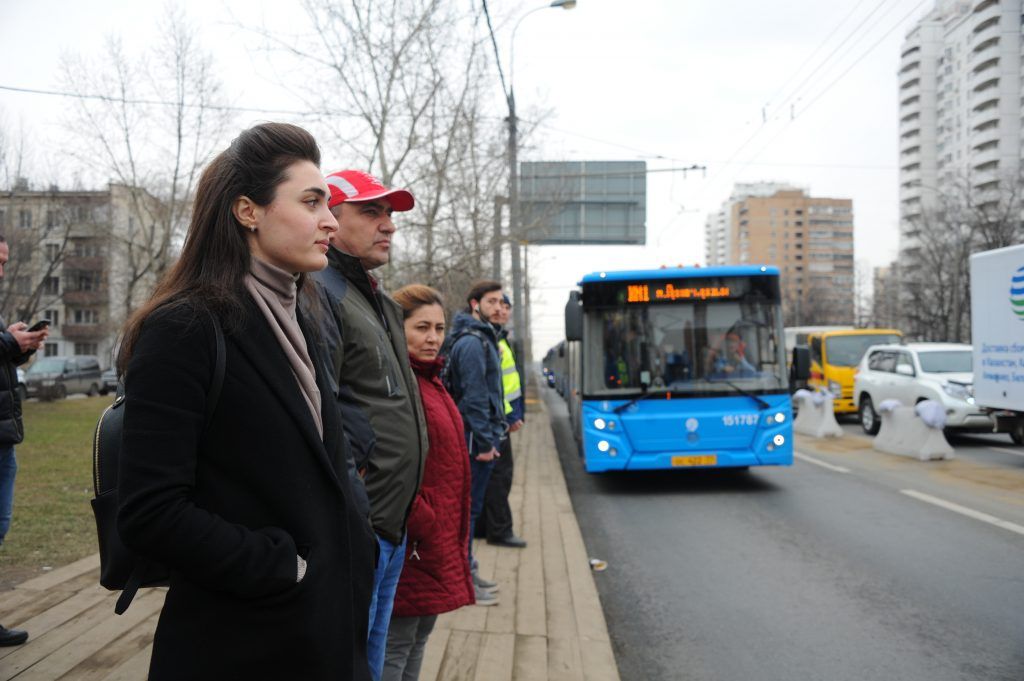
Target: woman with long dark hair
(249, 508)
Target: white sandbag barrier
(913, 431)
(816, 417)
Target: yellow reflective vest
(510, 383)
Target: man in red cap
(361, 330)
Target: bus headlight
(599, 424)
(603, 446)
(835, 388)
(780, 418)
(779, 440)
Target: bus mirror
(574, 317)
(801, 363)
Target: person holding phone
(17, 344)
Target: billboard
(583, 202)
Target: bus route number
(739, 420)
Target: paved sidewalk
(548, 626)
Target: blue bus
(679, 368)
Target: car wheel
(94, 390)
(60, 391)
(869, 420)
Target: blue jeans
(385, 583)
(480, 474)
(8, 468)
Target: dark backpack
(448, 371)
(120, 568)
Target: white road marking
(963, 510)
(1007, 451)
(819, 462)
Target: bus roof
(681, 273)
(855, 332)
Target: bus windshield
(691, 348)
(847, 351)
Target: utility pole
(496, 245)
(515, 234)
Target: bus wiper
(761, 404)
(645, 396)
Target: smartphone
(40, 325)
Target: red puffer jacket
(436, 577)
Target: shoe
(12, 637)
(484, 597)
(486, 584)
(508, 540)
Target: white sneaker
(484, 597)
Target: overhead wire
(828, 87)
(797, 89)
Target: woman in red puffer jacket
(436, 576)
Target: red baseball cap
(355, 186)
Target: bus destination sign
(642, 293)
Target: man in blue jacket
(474, 380)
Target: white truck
(997, 333)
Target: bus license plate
(702, 460)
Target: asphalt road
(797, 573)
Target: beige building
(809, 239)
(82, 259)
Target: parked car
(915, 372)
(54, 378)
(108, 381)
(20, 388)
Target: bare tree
(407, 99)
(969, 218)
(157, 124)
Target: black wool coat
(228, 508)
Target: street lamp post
(514, 227)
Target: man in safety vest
(497, 516)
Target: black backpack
(447, 371)
(120, 568)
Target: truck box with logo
(997, 334)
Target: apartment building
(960, 111)
(80, 259)
(809, 239)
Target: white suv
(915, 372)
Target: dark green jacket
(362, 332)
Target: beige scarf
(274, 291)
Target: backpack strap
(135, 580)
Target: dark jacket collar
(352, 269)
(464, 322)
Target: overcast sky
(672, 82)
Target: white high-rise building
(960, 109)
